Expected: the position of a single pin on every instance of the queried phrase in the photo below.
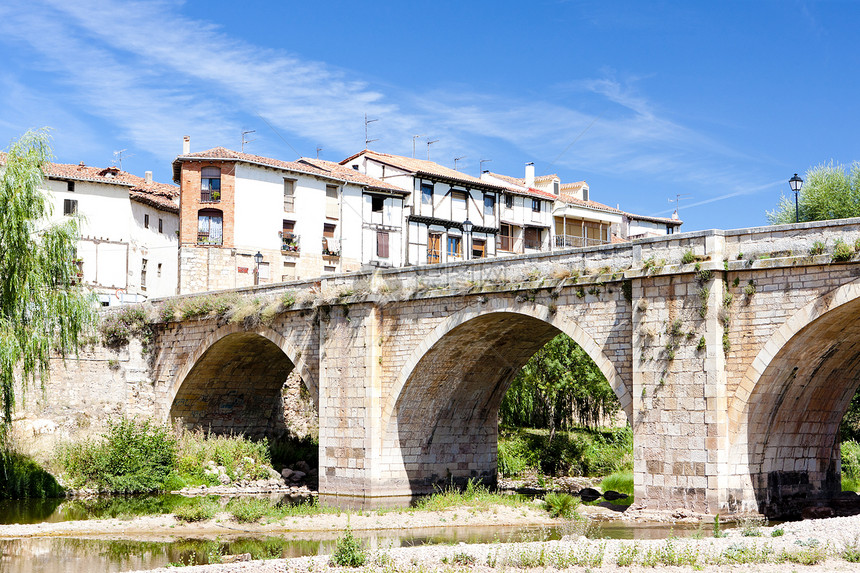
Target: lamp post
(796, 183)
(258, 258)
(467, 229)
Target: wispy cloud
(158, 75)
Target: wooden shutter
(382, 244)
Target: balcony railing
(563, 241)
(210, 196)
(289, 243)
(510, 244)
(207, 239)
(534, 244)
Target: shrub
(132, 457)
(22, 478)
(196, 449)
(818, 247)
(514, 455)
(197, 509)
(248, 510)
(118, 328)
(851, 459)
(841, 251)
(349, 551)
(688, 257)
(561, 504)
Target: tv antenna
(414, 137)
(367, 140)
(677, 202)
(481, 164)
(117, 158)
(318, 151)
(429, 143)
(244, 141)
(456, 159)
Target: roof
(162, 196)
(318, 167)
(422, 167)
(588, 204)
(519, 186)
(549, 177)
(665, 220)
(575, 185)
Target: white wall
(158, 248)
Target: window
(355, 167)
(329, 245)
(382, 244)
(459, 210)
(585, 193)
(533, 238)
(289, 240)
(426, 193)
(331, 204)
(70, 206)
(143, 274)
(479, 248)
(669, 229)
(145, 221)
(210, 184)
(160, 225)
(489, 205)
(536, 205)
(70, 186)
(209, 227)
(555, 187)
(376, 204)
(289, 195)
(159, 270)
(506, 239)
(434, 247)
(509, 201)
(454, 245)
(331, 191)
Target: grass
(475, 496)
(251, 509)
(197, 509)
(239, 456)
(561, 504)
(22, 478)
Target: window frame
(210, 213)
(208, 185)
(70, 207)
(383, 245)
(491, 198)
(457, 242)
(289, 195)
(536, 205)
(509, 201)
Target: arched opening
(441, 425)
(794, 411)
(234, 387)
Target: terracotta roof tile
(422, 167)
(317, 167)
(588, 204)
(518, 186)
(576, 185)
(159, 195)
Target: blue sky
(720, 102)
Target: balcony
(210, 196)
(289, 244)
(565, 241)
(207, 239)
(533, 244)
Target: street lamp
(796, 183)
(467, 228)
(258, 258)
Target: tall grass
(195, 449)
(622, 482)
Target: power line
(278, 134)
(581, 133)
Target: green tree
(43, 309)
(559, 386)
(829, 192)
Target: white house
(641, 226)
(129, 227)
(439, 201)
(305, 218)
(525, 213)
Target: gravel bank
(819, 542)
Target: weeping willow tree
(558, 387)
(43, 308)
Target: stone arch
(232, 380)
(785, 414)
(440, 419)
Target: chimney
(186, 145)
(530, 174)
(148, 177)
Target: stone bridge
(734, 354)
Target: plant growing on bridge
(818, 248)
(841, 251)
(43, 307)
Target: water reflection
(52, 555)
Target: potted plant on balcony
(216, 195)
